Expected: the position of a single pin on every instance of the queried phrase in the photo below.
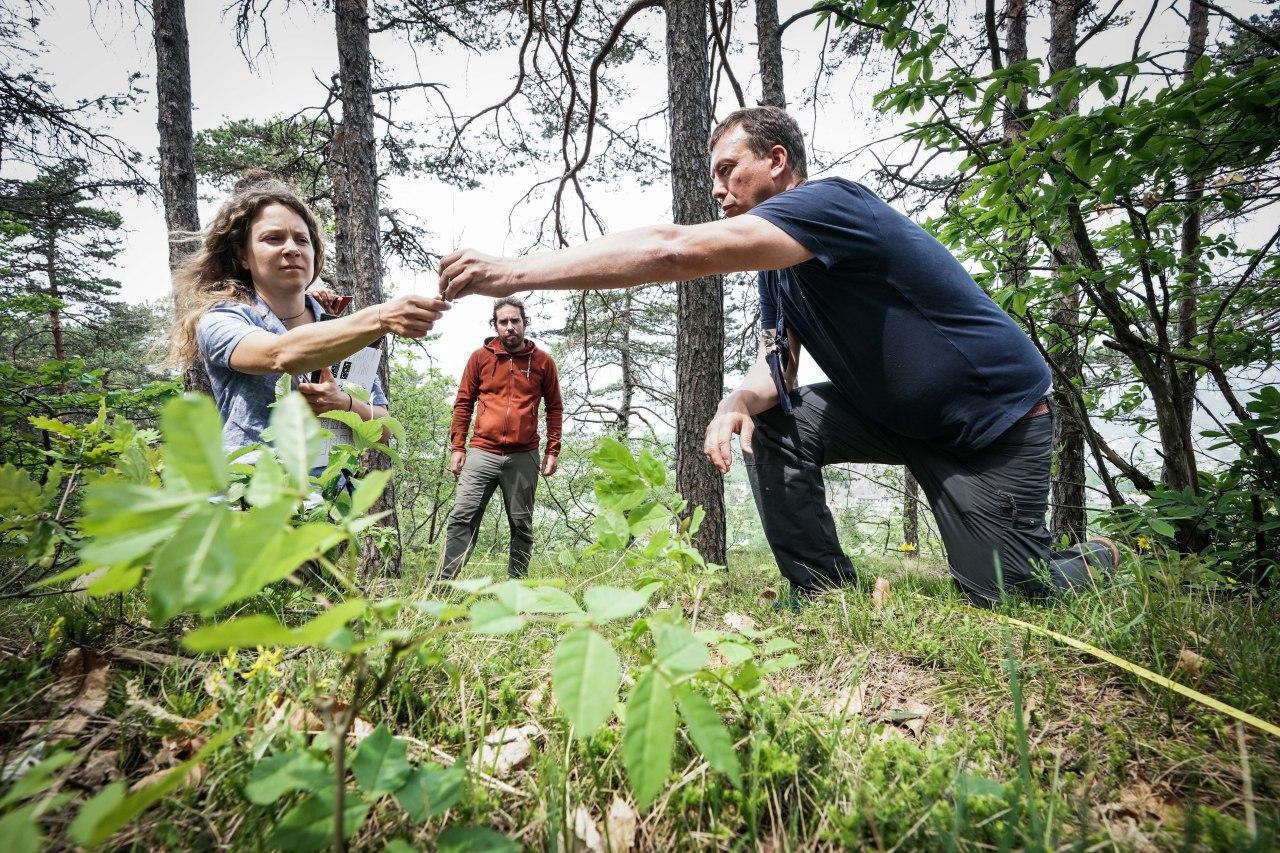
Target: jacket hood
(495, 346)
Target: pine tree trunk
(356, 203)
(1066, 516)
(177, 153)
(628, 370)
(51, 272)
(769, 50)
(700, 303)
(1198, 34)
(911, 512)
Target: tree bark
(1198, 34)
(911, 512)
(700, 303)
(1066, 515)
(177, 153)
(769, 50)
(356, 206)
(628, 370)
(51, 272)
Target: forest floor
(896, 730)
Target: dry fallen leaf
(739, 621)
(850, 702)
(506, 749)
(620, 825)
(586, 831)
(1189, 663)
(920, 712)
(192, 780)
(880, 595)
(533, 702)
(768, 595)
(80, 692)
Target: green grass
(935, 757)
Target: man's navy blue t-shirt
(895, 321)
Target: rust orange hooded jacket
(504, 391)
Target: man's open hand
(718, 444)
(411, 316)
(455, 464)
(467, 271)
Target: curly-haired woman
(242, 308)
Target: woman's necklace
(295, 316)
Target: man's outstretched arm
(641, 256)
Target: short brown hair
(513, 301)
(766, 127)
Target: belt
(1041, 408)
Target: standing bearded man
(925, 370)
(504, 382)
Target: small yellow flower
(55, 630)
(230, 661)
(1144, 544)
(268, 662)
(907, 547)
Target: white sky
(91, 53)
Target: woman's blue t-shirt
(895, 321)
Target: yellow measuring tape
(1142, 672)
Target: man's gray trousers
(516, 474)
(987, 503)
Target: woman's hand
(411, 316)
(325, 395)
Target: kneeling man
(925, 370)
(504, 382)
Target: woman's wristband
(351, 401)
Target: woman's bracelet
(351, 401)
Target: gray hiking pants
(987, 504)
(517, 475)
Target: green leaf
(194, 459)
(20, 495)
(606, 603)
(268, 482)
(474, 839)
(381, 764)
(116, 579)
(611, 528)
(125, 522)
(111, 810)
(285, 773)
(296, 438)
(94, 812)
(969, 785)
(708, 733)
(432, 790)
(263, 630)
(20, 830)
(368, 490)
(613, 458)
(289, 549)
(652, 469)
(492, 617)
(196, 566)
(649, 736)
(646, 517)
(550, 599)
(309, 824)
(679, 651)
(585, 674)
(470, 586)
(1162, 527)
(36, 779)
